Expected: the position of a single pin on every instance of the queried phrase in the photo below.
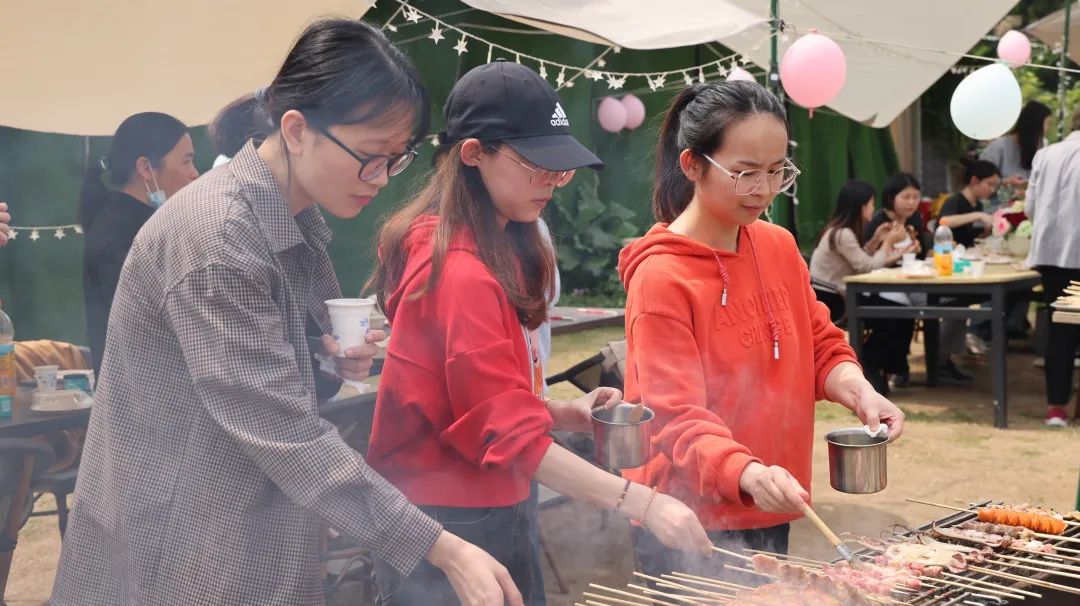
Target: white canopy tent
(1051, 29)
(76, 67)
(885, 70)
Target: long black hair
(339, 71)
(896, 184)
(696, 121)
(1029, 130)
(851, 199)
(150, 134)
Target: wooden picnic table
(996, 283)
(566, 320)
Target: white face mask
(157, 196)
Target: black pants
(655, 559)
(1062, 339)
(503, 532)
(886, 348)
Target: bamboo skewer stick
(788, 557)
(1028, 580)
(1044, 563)
(673, 596)
(731, 554)
(622, 593)
(624, 602)
(594, 603)
(711, 594)
(1056, 556)
(997, 592)
(995, 585)
(659, 580)
(1052, 571)
(671, 583)
(715, 585)
(734, 586)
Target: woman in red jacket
(726, 341)
(464, 275)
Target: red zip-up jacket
(456, 421)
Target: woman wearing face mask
(726, 340)
(465, 275)
(150, 159)
(899, 204)
(207, 470)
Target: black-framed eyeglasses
(539, 175)
(749, 181)
(373, 166)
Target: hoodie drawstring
(773, 326)
(724, 277)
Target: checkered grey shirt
(206, 466)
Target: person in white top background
(1053, 205)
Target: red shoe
(1056, 417)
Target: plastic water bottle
(8, 384)
(943, 249)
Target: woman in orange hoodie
(727, 343)
(461, 425)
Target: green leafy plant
(589, 233)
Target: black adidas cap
(504, 101)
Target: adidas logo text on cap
(559, 117)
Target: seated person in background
(963, 211)
(900, 203)
(840, 253)
(5, 220)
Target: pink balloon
(740, 74)
(635, 111)
(1015, 48)
(813, 70)
(611, 114)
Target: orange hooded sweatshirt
(731, 350)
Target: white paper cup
(978, 268)
(46, 377)
(909, 260)
(351, 319)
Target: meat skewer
(1041, 521)
(1028, 580)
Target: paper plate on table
(917, 274)
(998, 260)
(61, 400)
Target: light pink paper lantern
(1014, 48)
(635, 111)
(740, 74)
(611, 114)
(813, 70)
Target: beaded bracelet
(645, 511)
(622, 497)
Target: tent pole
(1062, 76)
(774, 30)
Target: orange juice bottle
(8, 384)
(943, 247)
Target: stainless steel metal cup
(857, 461)
(620, 444)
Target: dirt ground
(950, 454)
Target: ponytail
(671, 189)
(149, 135)
(93, 194)
(696, 121)
(241, 120)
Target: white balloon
(986, 103)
